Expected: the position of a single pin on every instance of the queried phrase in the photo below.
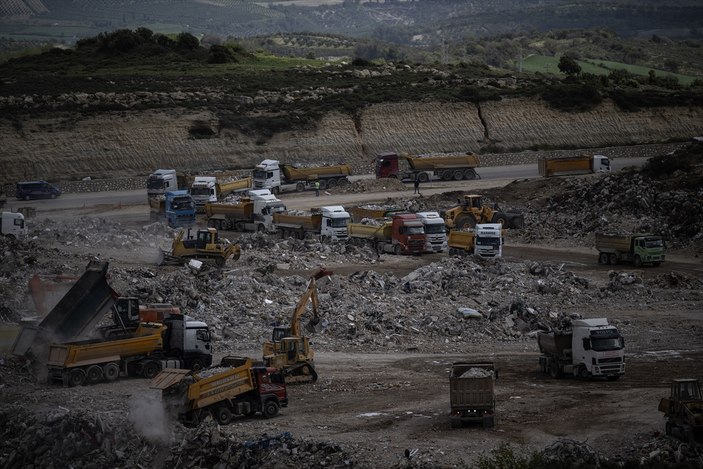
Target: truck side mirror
(586, 343)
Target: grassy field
(547, 64)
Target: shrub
(572, 97)
(187, 41)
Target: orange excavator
(289, 350)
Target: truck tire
(469, 174)
(397, 250)
(222, 415)
(111, 371)
(638, 261)
(516, 221)
(270, 409)
(583, 373)
(93, 374)
(423, 177)
(76, 377)
(446, 175)
(458, 175)
(554, 370)
(603, 258)
(488, 421)
(612, 259)
(331, 183)
(464, 221)
(343, 182)
(150, 369)
(300, 187)
(197, 364)
(499, 217)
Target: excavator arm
(309, 295)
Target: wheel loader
(683, 410)
(471, 211)
(289, 350)
(205, 245)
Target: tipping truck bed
(293, 173)
(472, 393)
(78, 311)
(374, 213)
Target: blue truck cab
(180, 209)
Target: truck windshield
(653, 243)
(414, 230)
(438, 228)
(154, 183)
(338, 222)
(199, 191)
(261, 174)
(487, 241)
(183, 204)
(602, 344)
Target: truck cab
(387, 165)
(407, 234)
(598, 348)
(334, 223)
(203, 190)
(488, 240)
(180, 209)
(267, 175)
(12, 225)
(161, 181)
(600, 163)
(435, 231)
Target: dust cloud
(147, 414)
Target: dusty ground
(376, 402)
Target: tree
(569, 66)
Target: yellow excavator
(289, 350)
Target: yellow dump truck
(329, 223)
(424, 168)
(278, 177)
(178, 342)
(235, 387)
(210, 189)
(564, 166)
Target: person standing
(417, 185)
(317, 188)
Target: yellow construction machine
(471, 211)
(289, 350)
(205, 245)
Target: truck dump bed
(224, 188)
(554, 343)
(359, 230)
(429, 163)
(614, 242)
(461, 240)
(564, 165)
(309, 221)
(471, 386)
(309, 174)
(146, 340)
(242, 210)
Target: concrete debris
(476, 373)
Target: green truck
(638, 249)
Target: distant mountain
(419, 22)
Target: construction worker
(317, 188)
(417, 185)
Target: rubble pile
(621, 202)
(61, 439)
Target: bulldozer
(471, 211)
(205, 245)
(289, 350)
(683, 410)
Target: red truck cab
(387, 165)
(408, 234)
